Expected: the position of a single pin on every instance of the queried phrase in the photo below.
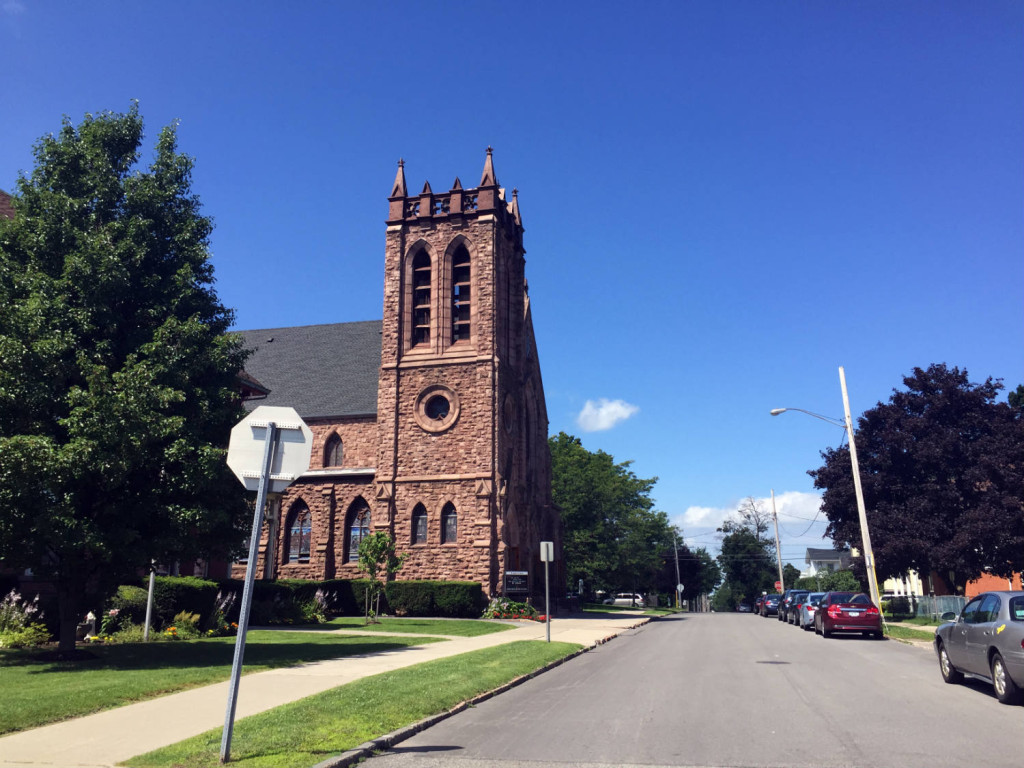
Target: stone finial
(488, 179)
(457, 184)
(398, 189)
(514, 207)
(426, 189)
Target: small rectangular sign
(517, 582)
(547, 551)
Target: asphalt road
(730, 690)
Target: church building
(430, 423)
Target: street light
(869, 555)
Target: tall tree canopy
(747, 558)
(117, 379)
(941, 467)
(612, 536)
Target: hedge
(282, 601)
(446, 599)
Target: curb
(388, 740)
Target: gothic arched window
(460, 295)
(449, 524)
(419, 525)
(421, 298)
(333, 451)
(299, 532)
(357, 528)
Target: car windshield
(859, 600)
(1017, 608)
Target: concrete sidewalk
(112, 736)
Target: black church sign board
(517, 582)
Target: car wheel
(826, 633)
(949, 673)
(1006, 690)
(878, 635)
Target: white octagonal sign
(248, 443)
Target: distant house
(826, 560)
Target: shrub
(174, 594)
(459, 599)
(447, 599)
(29, 636)
(17, 613)
(503, 608)
(217, 624)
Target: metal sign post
(289, 462)
(547, 554)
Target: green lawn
(905, 633)
(451, 627)
(35, 693)
(309, 731)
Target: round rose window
(437, 408)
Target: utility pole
(869, 555)
(675, 543)
(778, 548)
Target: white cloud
(800, 525)
(604, 414)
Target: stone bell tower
(463, 469)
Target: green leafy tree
(698, 572)
(377, 558)
(747, 555)
(790, 575)
(612, 536)
(117, 378)
(1016, 400)
(941, 466)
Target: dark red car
(847, 612)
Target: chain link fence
(933, 606)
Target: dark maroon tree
(941, 466)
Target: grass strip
(905, 633)
(308, 731)
(450, 627)
(37, 693)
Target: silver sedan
(986, 641)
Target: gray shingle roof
(319, 370)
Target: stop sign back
(292, 454)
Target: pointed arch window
(357, 528)
(419, 525)
(421, 298)
(333, 451)
(449, 524)
(300, 529)
(460, 295)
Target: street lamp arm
(833, 422)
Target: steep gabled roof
(319, 370)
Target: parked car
(787, 600)
(757, 604)
(807, 610)
(626, 599)
(745, 608)
(986, 641)
(793, 614)
(770, 605)
(848, 612)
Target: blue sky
(723, 202)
